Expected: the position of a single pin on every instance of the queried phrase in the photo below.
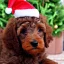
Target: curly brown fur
(1, 31)
(24, 41)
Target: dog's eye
(40, 29)
(24, 31)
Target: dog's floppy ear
(10, 37)
(48, 33)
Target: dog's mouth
(35, 51)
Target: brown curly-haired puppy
(25, 40)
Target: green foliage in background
(54, 12)
(3, 16)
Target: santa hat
(21, 8)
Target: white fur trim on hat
(8, 10)
(26, 12)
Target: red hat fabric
(21, 8)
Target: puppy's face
(31, 35)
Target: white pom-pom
(8, 10)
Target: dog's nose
(34, 43)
